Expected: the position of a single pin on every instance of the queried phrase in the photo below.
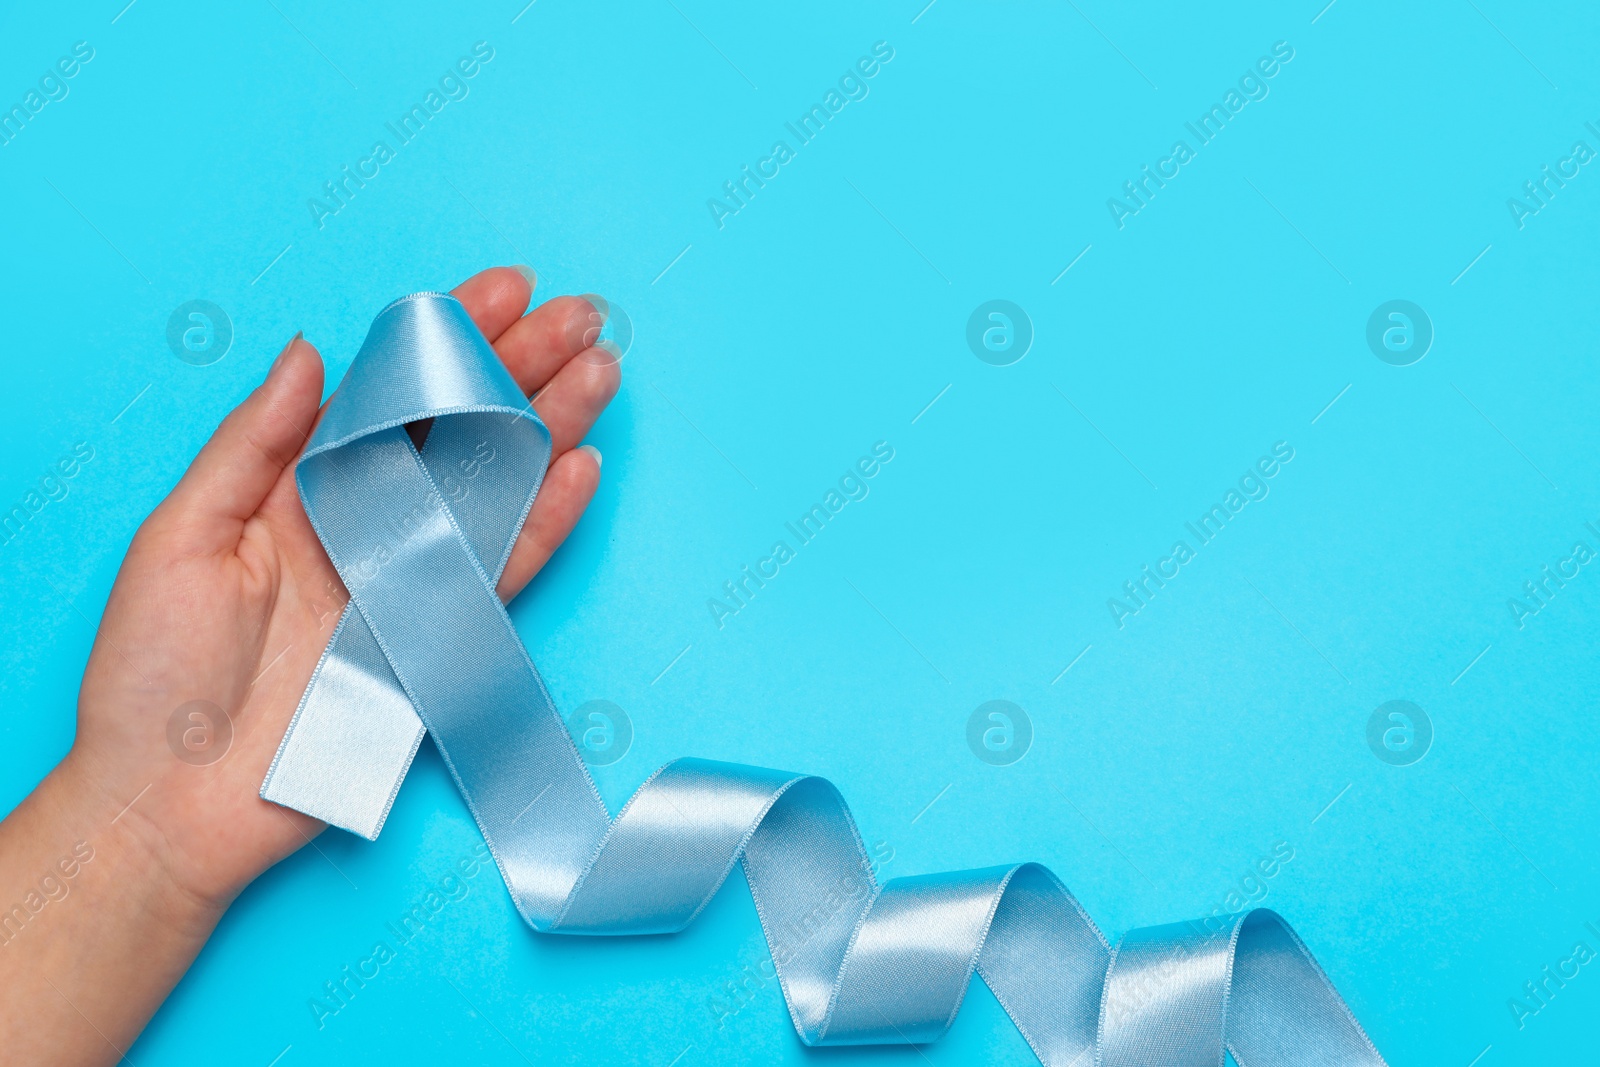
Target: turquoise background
(1228, 716)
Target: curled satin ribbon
(420, 539)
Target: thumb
(247, 455)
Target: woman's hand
(227, 597)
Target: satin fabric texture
(425, 647)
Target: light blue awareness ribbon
(420, 539)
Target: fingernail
(279, 361)
(593, 451)
(600, 304)
(528, 273)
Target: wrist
(128, 847)
(92, 925)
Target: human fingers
(568, 487)
(238, 467)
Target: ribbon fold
(425, 646)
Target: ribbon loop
(420, 539)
